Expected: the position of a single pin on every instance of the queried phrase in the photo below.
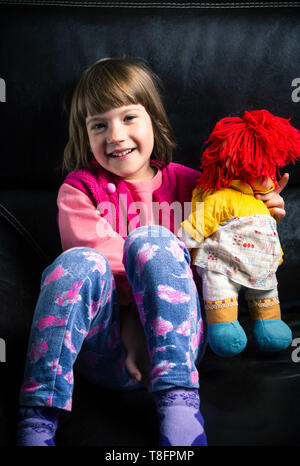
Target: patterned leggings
(76, 320)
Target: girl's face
(122, 141)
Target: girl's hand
(134, 341)
(274, 201)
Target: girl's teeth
(122, 153)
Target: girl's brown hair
(110, 83)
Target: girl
(120, 302)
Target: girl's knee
(78, 254)
(78, 275)
(76, 261)
(153, 234)
(157, 242)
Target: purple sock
(181, 422)
(37, 426)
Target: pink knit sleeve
(80, 224)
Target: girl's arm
(80, 224)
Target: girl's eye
(99, 126)
(129, 117)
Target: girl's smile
(122, 141)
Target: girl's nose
(115, 134)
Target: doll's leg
(270, 333)
(77, 294)
(226, 337)
(158, 268)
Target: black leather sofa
(214, 59)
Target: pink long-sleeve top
(80, 224)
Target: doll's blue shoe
(226, 339)
(271, 335)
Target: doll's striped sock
(181, 422)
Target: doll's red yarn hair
(257, 144)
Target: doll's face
(261, 185)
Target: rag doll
(232, 235)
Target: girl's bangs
(100, 97)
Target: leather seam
(10, 218)
(162, 5)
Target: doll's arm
(187, 238)
(204, 219)
(281, 255)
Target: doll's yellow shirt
(216, 207)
